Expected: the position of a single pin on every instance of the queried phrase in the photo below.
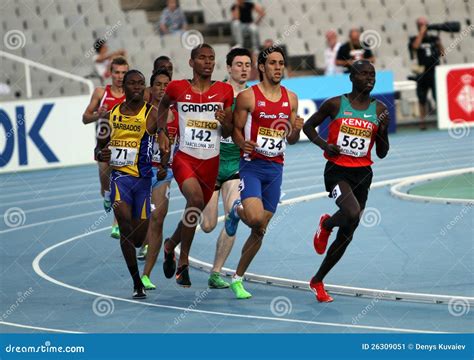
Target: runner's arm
(163, 109)
(227, 124)
(296, 122)
(328, 109)
(93, 112)
(102, 152)
(381, 139)
(243, 106)
(152, 121)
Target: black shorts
(423, 84)
(219, 182)
(358, 178)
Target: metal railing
(29, 63)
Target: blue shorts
(135, 191)
(261, 179)
(157, 183)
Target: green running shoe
(239, 291)
(115, 232)
(147, 283)
(216, 282)
(107, 205)
(142, 252)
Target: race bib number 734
(271, 142)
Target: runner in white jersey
(204, 108)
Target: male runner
(239, 64)
(103, 99)
(129, 150)
(163, 175)
(357, 122)
(161, 63)
(265, 118)
(205, 114)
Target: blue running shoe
(232, 219)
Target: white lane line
(42, 274)
(396, 190)
(69, 218)
(288, 201)
(40, 328)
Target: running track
(60, 271)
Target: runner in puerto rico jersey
(267, 126)
(200, 132)
(354, 132)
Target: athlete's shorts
(359, 179)
(205, 171)
(262, 179)
(157, 183)
(228, 170)
(135, 191)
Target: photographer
(428, 49)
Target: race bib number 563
(354, 141)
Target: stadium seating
(61, 33)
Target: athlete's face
(364, 78)
(164, 65)
(273, 68)
(118, 72)
(159, 85)
(203, 64)
(134, 88)
(240, 69)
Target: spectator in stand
(428, 50)
(353, 50)
(242, 22)
(103, 58)
(330, 53)
(172, 19)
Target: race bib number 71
(122, 156)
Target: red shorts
(205, 171)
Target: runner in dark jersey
(357, 123)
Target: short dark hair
(158, 73)
(119, 60)
(131, 72)
(232, 54)
(98, 44)
(263, 55)
(160, 58)
(356, 65)
(195, 51)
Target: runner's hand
(220, 115)
(249, 146)
(164, 143)
(299, 122)
(102, 111)
(332, 150)
(161, 173)
(105, 155)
